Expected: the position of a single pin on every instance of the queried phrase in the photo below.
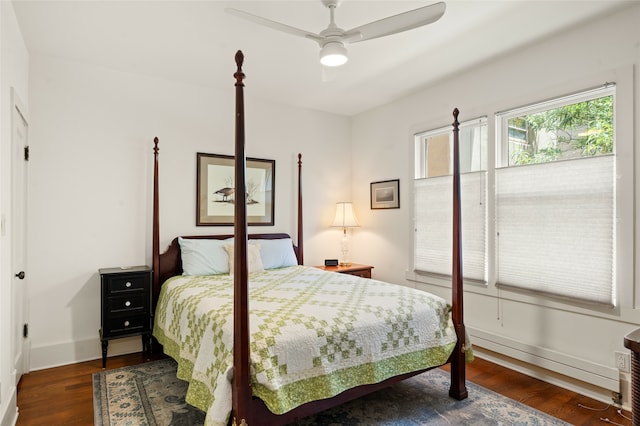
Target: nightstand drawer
(129, 303)
(356, 269)
(364, 273)
(126, 325)
(126, 283)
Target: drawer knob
(127, 303)
(128, 284)
(126, 323)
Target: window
(556, 130)
(433, 201)
(555, 197)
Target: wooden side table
(363, 271)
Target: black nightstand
(125, 306)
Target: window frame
(628, 306)
(421, 170)
(502, 134)
(502, 142)
(420, 161)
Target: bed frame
(248, 410)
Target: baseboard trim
(10, 415)
(65, 353)
(586, 371)
(584, 377)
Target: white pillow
(254, 263)
(276, 253)
(204, 256)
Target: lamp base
(345, 263)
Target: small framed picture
(216, 190)
(385, 194)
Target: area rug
(150, 394)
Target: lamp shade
(345, 217)
(333, 54)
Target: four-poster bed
(372, 334)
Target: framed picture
(385, 194)
(216, 190)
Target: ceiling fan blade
(399, 23)
(274, 25)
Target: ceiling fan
(333, 38)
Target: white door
(18, 224)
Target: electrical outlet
(623, 362)
(616, 397)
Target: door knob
(20, 275)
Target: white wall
(92, 133)
(562, 336)
(14, 63)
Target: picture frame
(385, 194)
(215, 190)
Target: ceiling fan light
(333, 54)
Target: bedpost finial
(155, 145)
(239, 75)
(455, 117)
(299, 158)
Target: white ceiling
(195, 42)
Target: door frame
(21, 344)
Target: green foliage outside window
(579, 130)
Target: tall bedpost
(241, 374)
(300, 237)
(458, 387)
(155, 244)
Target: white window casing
(433, 201)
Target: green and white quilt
(314, 334)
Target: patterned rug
(150, 394)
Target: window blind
(433, 201)
(556, 228)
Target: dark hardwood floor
(63, 395)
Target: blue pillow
(276, 253)
(204, 256)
